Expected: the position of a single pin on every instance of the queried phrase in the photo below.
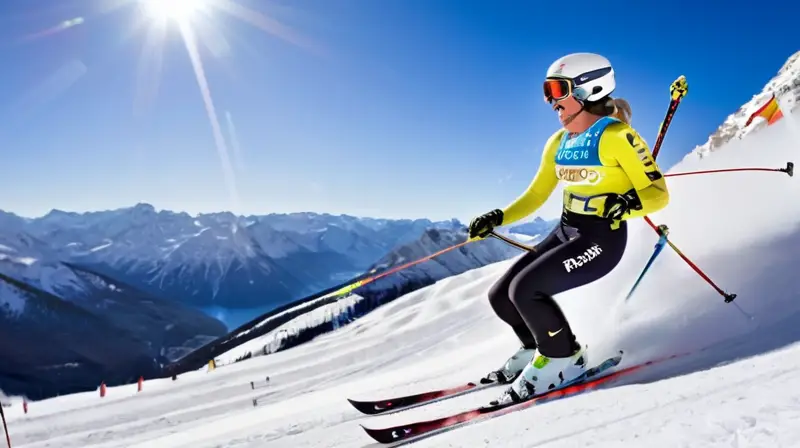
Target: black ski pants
(577, 252)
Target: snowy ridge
(29, 260)
(785, 86)
(530, 231)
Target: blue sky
(395, 108)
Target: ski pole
(788, 170)
(662, 241)
(678, 89)
(508, 240)
(398, 268)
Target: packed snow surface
(739, 387)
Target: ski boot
(544, 374)
(512, 368)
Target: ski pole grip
(679, 88)
(789, 169)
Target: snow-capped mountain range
(220, 259)
(785, 86)
(66, 329)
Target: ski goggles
(556, 89)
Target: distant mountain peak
(144, 207)
(58, 212)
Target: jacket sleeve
(635, 158)
(540, 188)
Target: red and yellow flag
(770, 111)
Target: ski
(414, 431)
(397, 404)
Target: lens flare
(178, 10)
(197, 22)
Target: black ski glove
(617, 205)
(484, 224)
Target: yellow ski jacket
(609, 157)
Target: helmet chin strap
(572, 116)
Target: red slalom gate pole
(729, 297)
(788, 170)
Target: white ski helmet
(591, 75)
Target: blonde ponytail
(611, 107)
(622, 110)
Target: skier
(610, 176)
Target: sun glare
(196, 23)
(178, 10)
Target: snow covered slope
(738, 388)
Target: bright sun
(178, 10)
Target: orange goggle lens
(556, 89)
